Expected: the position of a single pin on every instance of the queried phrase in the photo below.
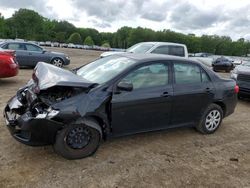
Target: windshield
(140, 48)
(104, 69)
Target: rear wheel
(77, 141)
(57, 62)
(211, 119)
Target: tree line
(28, 24)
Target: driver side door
(148, 106)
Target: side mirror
(125, 86)
(44, 51)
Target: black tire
(203, 125)
(57, 62)
(63, 147)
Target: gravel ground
(176, 158)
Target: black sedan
(29, 54)
(241, 74)
(222, 64)
(115, 96)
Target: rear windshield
(140, 48)
(170, 50)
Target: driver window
(148, 76)
(31, 47)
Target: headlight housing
(52, 112)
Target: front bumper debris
(28, 129)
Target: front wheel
(57, 62)
(211, 119)
(77, 141)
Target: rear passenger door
(193, 92)
(36, 54)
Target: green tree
(88, 41)
(60, 36)
(93, 33)
(2, 26)
(140, 34)
(75, 38)
(106, 44)
(25, 24)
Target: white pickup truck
(166, 48)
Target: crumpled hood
(48, 75)
(242, 70)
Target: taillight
(236, 89)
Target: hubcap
(78, 137)
(213, 120)
(57, 62)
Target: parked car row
(71, 45)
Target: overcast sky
(222, 17)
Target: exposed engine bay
(58, 93)
(40, 104)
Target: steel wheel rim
(78, 137)
(57, 62)
(213, 120)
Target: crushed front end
(29, 120)
(49, 101)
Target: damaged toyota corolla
(114, 96)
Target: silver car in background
(29, 54)
(165, 48)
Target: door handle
(165, 94)
(30, 53)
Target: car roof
(21, 42)
(153, 57)
(162, 43)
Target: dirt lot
(176, 158)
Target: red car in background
(8, 64)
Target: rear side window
(31, 47)
(15, 46)
(170, 50)
(161, 50)
(176, 50)
(187, 73)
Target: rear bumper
(27, 129)
(9, 70)
(222, 67)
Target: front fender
(90, 122)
